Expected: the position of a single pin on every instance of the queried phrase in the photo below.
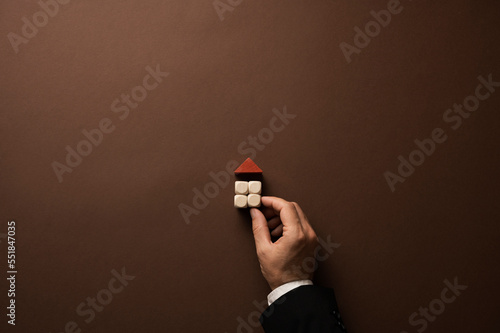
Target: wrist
(285, 278)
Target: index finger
(286, 210)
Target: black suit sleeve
(306, 309)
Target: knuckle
(261, 253)
(312, 236)
(301, 237)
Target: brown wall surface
(118, 209)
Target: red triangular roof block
(248, 166)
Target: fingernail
(252, 213)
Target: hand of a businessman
(282, 261)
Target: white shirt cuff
(284, 288)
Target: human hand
(281, 261)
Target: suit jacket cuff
(306, 309)
(284, 288)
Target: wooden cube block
(254, 187)
(253, 200)
(240, 201)
(240, 187)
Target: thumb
(260, 229)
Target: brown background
(119, 208)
